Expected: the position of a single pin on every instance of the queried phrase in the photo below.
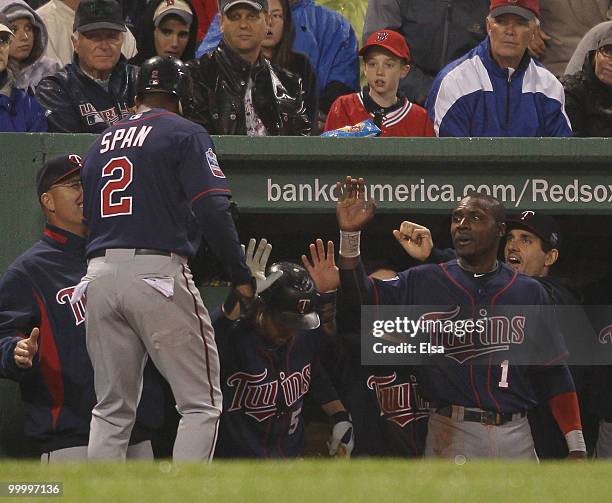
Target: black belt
(137, 251)
(482, 416)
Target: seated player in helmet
(269, 360)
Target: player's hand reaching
(26, 349)
(352, 211)
(257, 259)
(322, 270)
(415, 239)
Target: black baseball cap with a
(56, 170)
(543, 226)
(97, 15)
(259, 5)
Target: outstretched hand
(415, 239)
(352, 211)
(322, 270)
(25, 350)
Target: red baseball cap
(390, 40)
(527, 9)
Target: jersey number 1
(122, 205)
(503, 382)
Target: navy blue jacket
(58, 390)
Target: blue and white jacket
(474, 96)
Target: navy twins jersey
(58, 391)
(263, 390)
(479, 376)
(389, 415)
(141, 177)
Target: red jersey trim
(55, 236)
(206, 192)
(50, 364)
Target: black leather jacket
(75, 103)
(220, 82)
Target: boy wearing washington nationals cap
(386, 57)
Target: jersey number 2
(122, 205)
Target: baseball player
(270, 361)
(42, 335)
(479, 408)
(152, 186)
(388, 413)
(531, 246)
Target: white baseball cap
(179, 8)
(4, 22)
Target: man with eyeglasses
(19, 112)
(98, 88)
(588, 93)
(42, 335)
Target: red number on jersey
(122, 205)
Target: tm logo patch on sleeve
(213, 164)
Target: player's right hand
(415, 239)
(26, 349)
(352, 211)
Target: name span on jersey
(133, 136)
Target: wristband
(349, 244)
(575, 441)
(341, 416)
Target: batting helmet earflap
(291, 299)
(166, 74)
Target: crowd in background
(69, 65)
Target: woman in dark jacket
(166, 29)
(588, 93)
(277, 48)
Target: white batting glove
(341, 442)
(256, 260)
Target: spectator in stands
(237, 90)
(58, 16)
(563, 24)
(497, 89)
(98, 88)
(26, 55)
(386, 57)
(588, 43)
(329, 41)
(437, 31)
(277, 47)
(167, 28)
(588, 93)
(19, 111)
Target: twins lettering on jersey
(78, 308)
(394, 399)
(485, 335)
(258, 398)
